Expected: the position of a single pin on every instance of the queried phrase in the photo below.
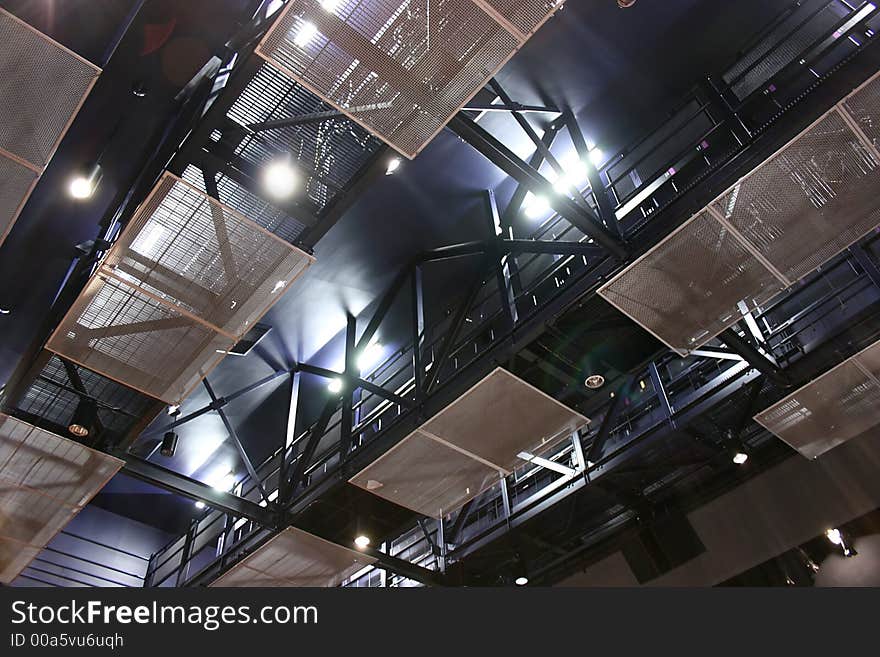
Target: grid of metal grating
(250, 205)
(186, 279)
(332, 150)
(45, 480)
(801, 207)
(842, 404)
(295, 558)
(52, 398)
(400, 68)
(465, 449)
(42, 86)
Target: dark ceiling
(621, 71)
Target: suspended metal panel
(295, 558)
(42, 86)
(17, 180)
(500, 417)
(186, 279)
(809, 202)
(466, 448)
(840, 405)
(686, 289)
(400, 69)
(814, 198)
(427, 476)
(45, 480)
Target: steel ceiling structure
(663, 422)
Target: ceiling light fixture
(393, 165)
(362, 541)
(839, 538)
(370, 356)
(536, 207)
(280, 178)
(307, 31)
(335, 385)
(200, 505)
(169, 444)
(522, 580)
(225, 482)
(85, 418)
(595, 381)
(597, 157)
(740, 457)
(83, 185)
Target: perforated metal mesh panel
(295, 558)
(465, 449)
(500, 417)
(250, 205)
(400, 69)
(186, 279)
(686, 290)
(423, 474)
(42, 85)
(44, 481)
(810, 201)
(840, 405)
(16, 183)
(864, 108)
(804, 205)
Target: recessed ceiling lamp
(595, 381)
(280, 179)
(83, 185)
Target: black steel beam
(195, 490)
(755, 358)
(553, 248)
(233, 436)
(507, 161)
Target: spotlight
(369, 356)
(522, 580)
(536, 206)
(84, 419)
(335, 385)
(740, 457)
(169, 444)
(595, 381)
(83, 185)
(280, 178)
(200, 505)
(597, 157)
(840, 539)
(225, 483)
(174, 409)
(575, 174)
(362, 541)
(393, 166)
(307, 31)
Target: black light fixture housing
(85, 418)
(169, 444)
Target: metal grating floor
(334, 149)
(42, 87)
(186, 279)
(295, 558)
(401, 69)
(840, 405)
(750, 242)
(45, 480)
(466, 448)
